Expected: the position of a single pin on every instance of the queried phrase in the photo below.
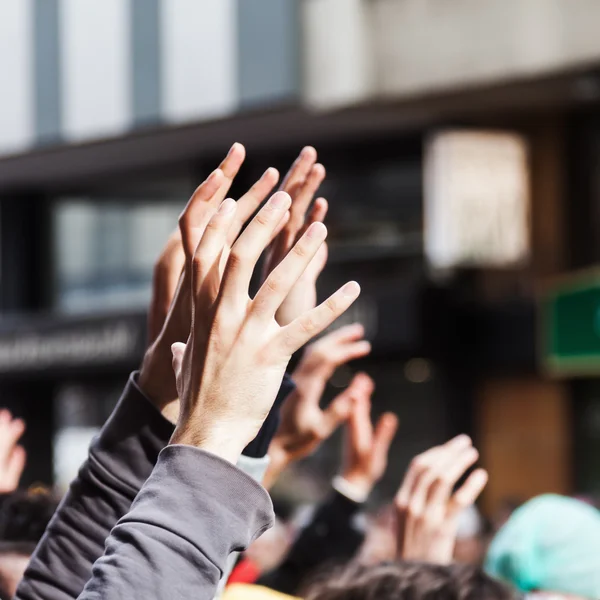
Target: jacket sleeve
(191, 514)
(120, 459)
(330, 538)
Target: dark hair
(409, 581)
(25, 515)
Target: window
(105, 250)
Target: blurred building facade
(112, 111)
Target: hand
(304, 425)
(231, 368)
(427, 508)
(12, 456)
(366, 449)
(301, 183)
(172, 324)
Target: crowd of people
(173, 499)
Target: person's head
(470, 543)
(23, 520)
(550, 544)
(409, 581)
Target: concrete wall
(422, 46)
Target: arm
(124, 454)
(240, 354)
(193, 511)
(331, 536)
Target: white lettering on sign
(73, 348)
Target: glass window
(105, 250)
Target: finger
(165, 280)
(385, 430)
(319, 211)
(250, 245)
(468, 493)
(302, 329)
(348, 352)
(279, 283)
(12, 431)
(208, 253)
(338, 411)
(207, 198)
(15, 467)
(305, 195)
(280, 226)
(432, 482)
(251, 200)
(451, 469)
(299, 169)
(231, 165)
(418, 464)
(347, 333)
(198, 211)
(360, 426)
(178, 351)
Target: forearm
(192, 513)
(120, 459)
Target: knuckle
(299, 250)
(332, 305)
(308, 325)
(235, 259)
(274, 284)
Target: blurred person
(332, 536)
(12, 455)
(550, 547)
(24, 517)
(123, 456)
(409, 581)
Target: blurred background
(462, 145)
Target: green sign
(570, 325)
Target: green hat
(551, 543)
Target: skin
(236, 348)
(427, 507)
(12, 455)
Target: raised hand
(170, 309)
(301, 183)
(366, 448)
(12, 456)
(304, 425)
(231, 368)
(427, 505)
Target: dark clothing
(329, 539)
(120, 460)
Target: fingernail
(462, 439)
(316, 230)
(226, 206)
(308, 150)
(271, 171)
(280, 200)
(351, 289)
(214, 174)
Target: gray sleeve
(120, 459)
(191, 514)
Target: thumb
(178, 350)
(337, 412)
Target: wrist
(209, 439)
(360, 483)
